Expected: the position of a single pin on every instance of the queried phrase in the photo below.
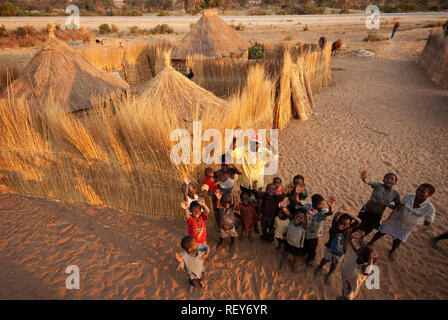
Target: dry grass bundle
(223, 77)
(210, 37)
(254, 107)
(434, 58)
(283, 104)
(301, 96)
(170, 92)
(60, 75)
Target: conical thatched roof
(210, 37)
(171, 91)
(60, 75)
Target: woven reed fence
(120, 156)
(434, 58)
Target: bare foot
(391, 255)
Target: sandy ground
(377, 114)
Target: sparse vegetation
(256, 52)
(239, 27)
(445, 27)
(374, 37)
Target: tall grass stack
(434, 58)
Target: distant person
(190, 73)
(434, 240)
(295, 238)
(381, 198)
(192, 261)
(340, 235)
(413, 210)
(396, 25)
(247, 211)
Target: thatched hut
(434, 58)
(171, 92)
(60, 75)
(210, 37)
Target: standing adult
(253, 162)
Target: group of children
(286, 216)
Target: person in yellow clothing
(253, 160)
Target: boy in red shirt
(196, 221)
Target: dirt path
(381, 115)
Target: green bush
(2, 31)
(104, 29)
(256, 52)
(239, 27)
(7, 9)
(163, 14)
(161, 29)
(20, 32)
(114, 29)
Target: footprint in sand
(387, 163)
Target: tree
(7, 9)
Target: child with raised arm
(295, 238)
(192, 261)
(281, 224)
(297, 191)
(317, 214)
(226, 210)
(247, 210)
(196, 214)
(381, 198)
(342, 225)
(413, 210)
(189, 192)
(356, 270)
(225, 177)
(268, 209)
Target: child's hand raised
(179, 257)
(184, 205)
(364, 174)
(205, 187)
(218, 194)
(344, 209)
(201, 201)
(331, 202)
(187, 178)
(254, 184)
